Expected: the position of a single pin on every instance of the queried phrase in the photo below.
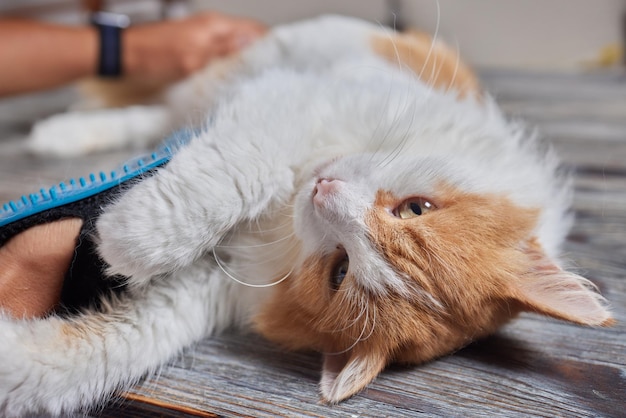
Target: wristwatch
(110, 27)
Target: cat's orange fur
(433, 61)
(407, 329)
(472, 266)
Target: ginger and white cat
(379, 207)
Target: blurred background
(534, 34)
(531, 34)
(575, 46)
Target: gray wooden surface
(533, 367)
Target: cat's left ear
(345, 374)
(549, 290)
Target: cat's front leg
(169, 220)
(85, 132)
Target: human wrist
(81, 50)
(110, 27)
(131, 52)
(147, 54)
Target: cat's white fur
(78, 133)
(305, 94)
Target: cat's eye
(413, 207)
(338, 273)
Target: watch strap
(110, 27)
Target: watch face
(110, 19)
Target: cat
(348, 190)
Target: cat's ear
(549, 290)
(345, 374)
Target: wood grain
(532, 367)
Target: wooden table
(533, 367)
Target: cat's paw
(79, 133)
(67, 135)
(147, 233)
(127, 243)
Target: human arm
(37, 55)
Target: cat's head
(405, 262)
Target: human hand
(170, 50)
(33, 265)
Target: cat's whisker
(156, 377)
(401, 145)
(409, 101)
(376, 130)
(391, 156)
(265, 244)
(432, 44)
(268, 230)
(436, 71)
(268, 259)
(359, 338)
(388, 134)
(426, 299)
(391, 38)
(457, 64)
(241, 282)
(373, 324)
(353, 321)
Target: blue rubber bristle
(72, 190)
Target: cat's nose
(324, 188)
